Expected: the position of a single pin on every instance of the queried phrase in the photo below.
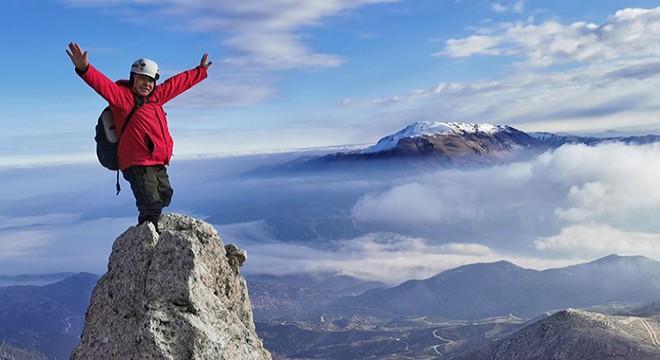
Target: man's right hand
(78, 57)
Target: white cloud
(466, 249)
(276, 51)
(627, 32)
(388, 257)
(514, 7)
(434, 202)
(57, 243)
(613, 183)
(594, 98)
(232, 92)
(22, 243)
(450, 197)
(267, 34)
(602, 198)
(252, 231)
(7, 222)
(597, 240)
(393, 258)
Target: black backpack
(107, 138)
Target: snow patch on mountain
(426, 128)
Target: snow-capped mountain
(429, 145)
(447, 144)
(483, 139)
(424, 129)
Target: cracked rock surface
(173, 295)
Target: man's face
(143, 84)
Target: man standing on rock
(145, 145)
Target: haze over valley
(558, 206)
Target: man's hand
(205, 61)
(78, 57)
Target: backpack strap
(139, 101)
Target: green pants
(151, 188)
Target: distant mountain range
(455, 312)
(32, 279)
(453, 315)
(46, 318)
(480, 291)
(454, 144)
(291, 296)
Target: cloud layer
(570, 205)
(593, 200)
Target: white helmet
(145, 67)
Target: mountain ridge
(339, 332)
(426, 144)
(485, 290)
(49, 318)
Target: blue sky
(300, 73)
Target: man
(145, 146)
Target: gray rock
(236, 256)
(171, 296)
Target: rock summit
(174, 295)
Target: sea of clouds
(566, 206)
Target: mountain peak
(429, 128)
(615, 259)
(432, 145)
(576, 334)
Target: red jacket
(146, 140)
